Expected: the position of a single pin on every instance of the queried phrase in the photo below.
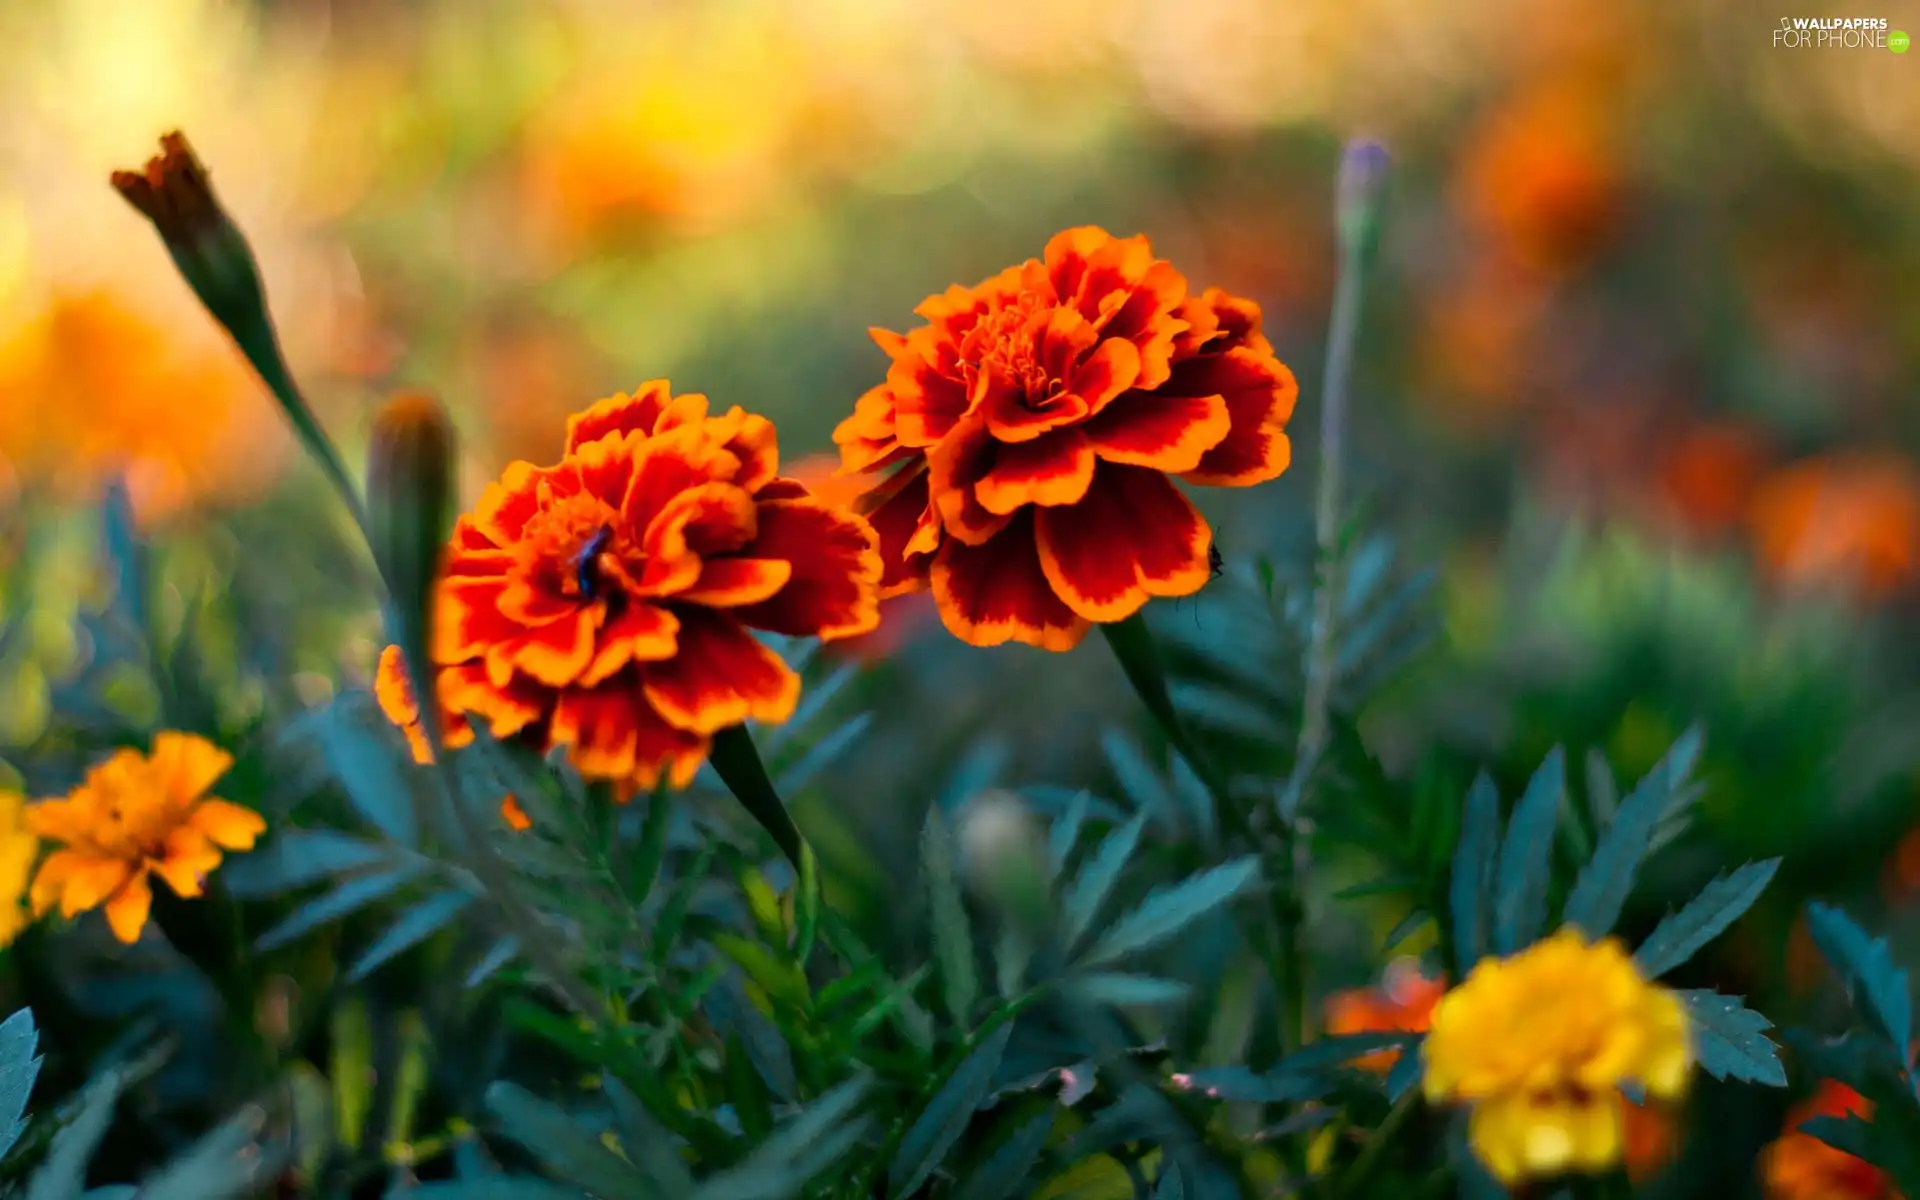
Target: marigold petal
(468, 614)
(909, 529)
(996, 592)
(90, 881)
(127, 910)
(51, 879)
(618, 415)
(1051, 470)
(508, 710)
(226, 824)
(1167, 433)
(611, 732)
(640, 633)
(832, 591)
(58, 820)
(506, 505)
(188, 859)
(515, 817)
(392, 688)
(1260, 393)
(669, 464)
(555, 654)
(866, 437)
(954, 467)
(926, 390)
(1106, 374)
(709, 518)
(722, 676)
(1134, 536)
(733, 582)
(756, 444)
(190, 764)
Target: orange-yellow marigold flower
(1403, 1003)
(1851, 519)
(1799, 1166)
(133, 815)
(604, 604)
(1540, 1044)
(1031, 427)
(18, 848)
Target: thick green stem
(258, 341)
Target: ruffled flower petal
(1133, 537)
(996, 592)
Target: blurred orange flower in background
(1403, 1003)
(1541, 177)
(90, 388)
(1031, 427)
(1800, 1166)
(1852, 520)
(1708, 475)
(603, 604)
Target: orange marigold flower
(133, 815)
(1030, 428)
(1542, 175)
(1848, 519)
(1403, 1003)
(1799, 1166)
(393, 688)
(1649, 1138)
(604, 604)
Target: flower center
(1006, 345)
(567, 544)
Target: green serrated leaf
(1682, 934)
(946, 1116)
(562, 1145)
(1096, 880)
(19, 1068)
(1730, 1040)
(1130, 991)
(648, 1146)
(342, 901)
(1139, 782)
(1601, 890)
(952, 935)
(1065, 834)
(1865, 965)
(1471, 890)
(223, 1165)
(1171, 908)
(673, 914)
(806, 906)
(1526, 858)
(295, 858)
(370, 769)
(780, 979)
(1004, 1175)
(780, 1167)
(63, 1174)
(414, 926)
(1240, 1085)
(1172, 1184)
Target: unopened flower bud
(173, 193)
(1003, 854)
(410, 465)
(1363, 179)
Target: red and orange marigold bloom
(1403, 1003)
(604, 603)
(1029, 432)
(1799, 1166)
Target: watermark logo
(1838, 33)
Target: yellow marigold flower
(1540, 1044)
(136, 814)
(18, 849)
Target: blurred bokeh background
(1640, 379)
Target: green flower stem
(1132, 643)
(1354, 1181)
(258, 341)
(737, 761)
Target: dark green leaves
(946, 1116)
(952, 935)
(1473, 873)
(1730, 1040)
(1865, 966)
(1171, 908)
(1526, 858)
(19, 1068)
(1603, 886)
(1705, 917)
(567, 1150)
